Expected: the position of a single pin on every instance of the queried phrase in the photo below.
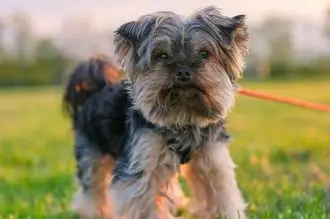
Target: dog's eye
(162, 56)
(204, 55)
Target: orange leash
(294, 102)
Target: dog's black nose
(183, 75)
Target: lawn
(282, 154)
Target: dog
(133, 136)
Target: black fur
(90, 72)
(103, 116)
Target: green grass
(282, 154)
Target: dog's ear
(130, 35)
(227, 30)
(230, 33)
(239, 34)
(234, 30)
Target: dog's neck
(183, 140)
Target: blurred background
(282, 152)
(39, 40)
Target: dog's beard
(190, 98)
(206, 100)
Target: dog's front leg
(140, 180)
(211, 177)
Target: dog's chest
(184, 140)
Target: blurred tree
(327, 23)
(45, 49)
(2, 30)
(38, 61)
(79, 34)
(23, 31)
(325, 61)
(277, 32)
(52, 58)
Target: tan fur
(211, 176)
(111, 72)
(174, 199)
(96, 203)
(175, 191)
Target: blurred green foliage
(44, 65)
(40, 72)
(318, 68)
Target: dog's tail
(88, 78)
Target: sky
(48, 15)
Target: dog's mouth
(179, 94)
(189, 89)
(190, 98)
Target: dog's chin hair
(181, 120)
(178, 107)
(178, 115)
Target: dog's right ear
(130, 35)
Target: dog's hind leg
(94, 175)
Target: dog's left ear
(230, 33)
(239, 34)
(130, 35)
(227, 30)
(231, 30)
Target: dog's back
(96, 101)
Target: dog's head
(183, 71)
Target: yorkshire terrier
(132, 135)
